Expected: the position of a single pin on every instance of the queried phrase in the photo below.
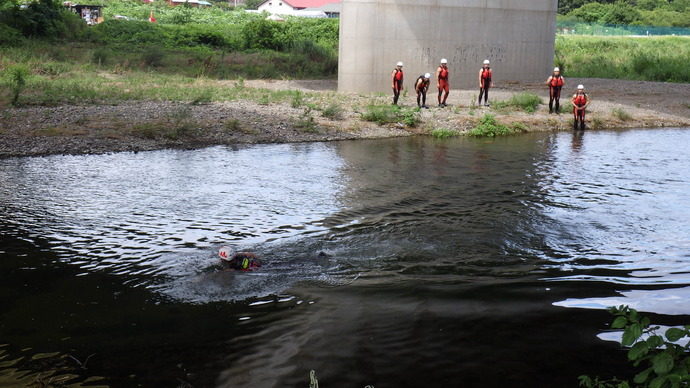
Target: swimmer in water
(245, 261)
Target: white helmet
(399, 64)
(226, 253)
(556, 69)
(486, 61)
(427, 75)
(444, 60)
(580, 87)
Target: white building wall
(517, 36)
(275, 7)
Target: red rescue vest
(580, 100)
(486, 74)
(556, 81)
(398, 75)
(444, 73)
(423, 84)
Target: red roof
(309, 3)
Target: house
(92, 14)
(293, 7)
(332, 10)
(193, 3)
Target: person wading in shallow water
(580, 102)
(397, 78)
(244, 261)
(555, 83)
(442, 74)
(421, 86)
(485, 75)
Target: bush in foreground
(666, 361)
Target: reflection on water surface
(382, 256)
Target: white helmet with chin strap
(226, 253)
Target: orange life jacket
(444, 73)
(556, 81)
(580, 99)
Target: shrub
(381, 114)
(305, 121)
(153, 57)
(389, 114)
(524, 100)
(333, 112)
(443, 133)
(17, 76)
(490, 128)
(666, 362)
(100, 56)
(264, 34)
(10, 36)
(621, 114)
(297, 99)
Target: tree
(621, 13)
(590, 13)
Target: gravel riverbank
(151, 125)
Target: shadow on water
(399, 262)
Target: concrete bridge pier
(517, 36)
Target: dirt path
(139, 126)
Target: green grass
(647, 58)
(333, 112)
(524, 101)
(390, 114)
(444, 133)
(489, 127)
(621, 114)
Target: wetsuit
(579, 101)
(443, 85)
(555, 86)
(421, 86)
(397, 84)
(244, 261)
(484, 84)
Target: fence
(575, 28)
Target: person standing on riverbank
(397, 78)
(580, 102)
(420, 87)
(442, 74)
(485, 83)
(555, 83)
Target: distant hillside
(666, 13)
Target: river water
(411, 262)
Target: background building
(517, 36)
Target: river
(413, 262)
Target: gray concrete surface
(517, 36)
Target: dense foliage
(297, 47)
(650, 58)
(665, 13)
(39, 19)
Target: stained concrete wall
(517, 36)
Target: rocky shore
(150, 125)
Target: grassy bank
(661, 59)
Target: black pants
(421, 94)
(396, 92)
(554, 95)
(485, 92)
